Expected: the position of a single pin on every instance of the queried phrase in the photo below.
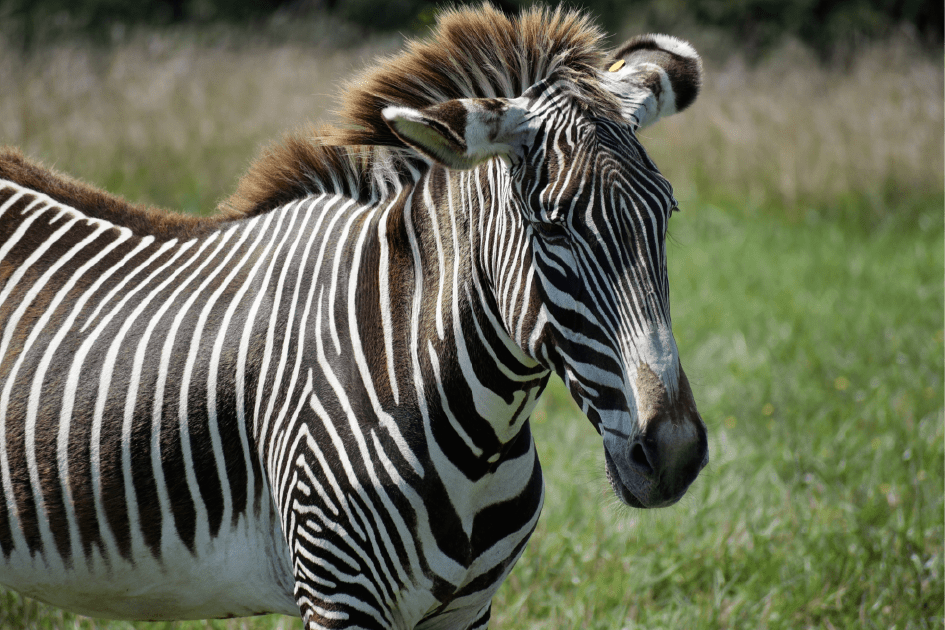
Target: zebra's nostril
(640, 460)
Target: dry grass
(792, 135)
(163, 118)
(173, 119)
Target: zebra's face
(582, 285)
(596, 211)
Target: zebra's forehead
(603, 159)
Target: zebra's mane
(97, 203)
(474, 52)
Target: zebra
(316, 401)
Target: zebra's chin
(638, 493)
(620, 489)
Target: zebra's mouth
(620, 489)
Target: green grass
(816, 355)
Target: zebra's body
(170, 515)
(321, 402)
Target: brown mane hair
(95, 202)
(474, 52)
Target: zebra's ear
(462, 133)
(654, 76)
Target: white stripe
(361, 360)
(434, 226)
(383, 275)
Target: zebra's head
(590, 211)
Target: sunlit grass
(18, 613)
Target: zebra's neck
(383, 363)
(456, 312)
(371, 288)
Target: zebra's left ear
(462, 133)
(654, 76)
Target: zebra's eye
(551, 232)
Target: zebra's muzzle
(656, 467)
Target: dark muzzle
(661, 462)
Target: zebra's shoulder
(17, 169)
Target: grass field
(807, 292)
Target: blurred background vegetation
(830, 27)
(807, 272)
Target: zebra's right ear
(462, 133)
(654, 76)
